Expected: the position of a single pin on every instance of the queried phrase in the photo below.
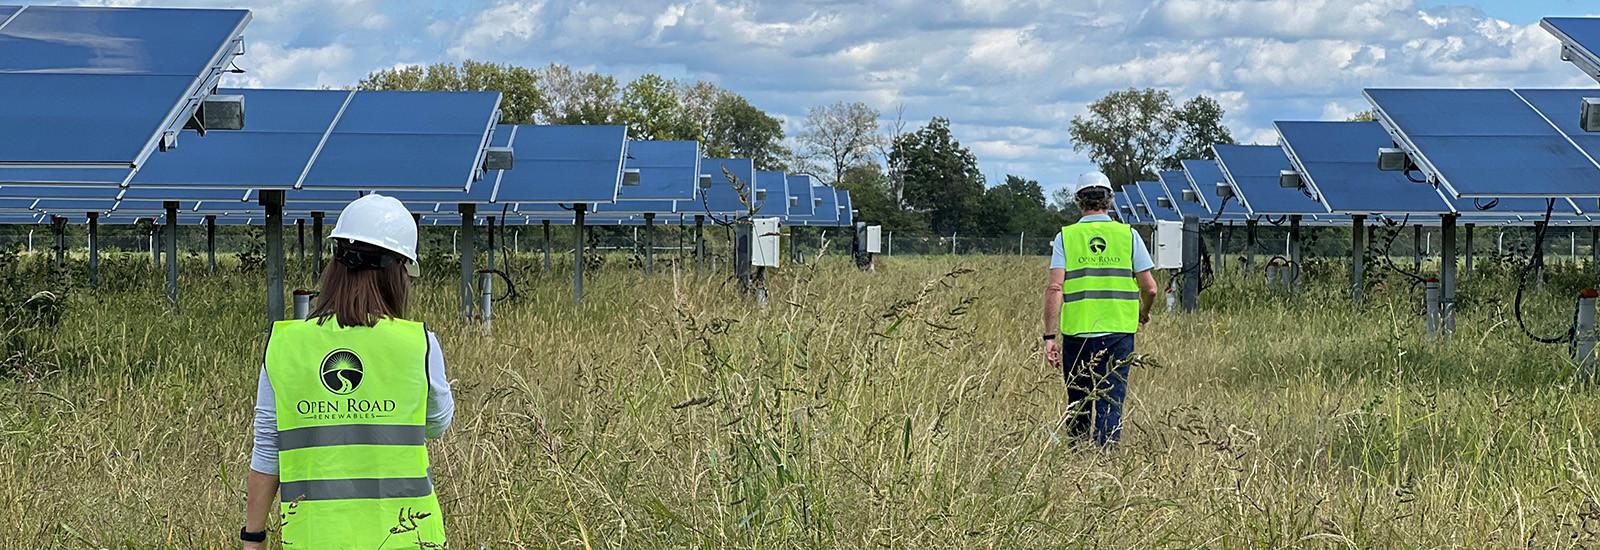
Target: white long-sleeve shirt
(441, 409)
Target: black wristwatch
(258, 536)
(1049, 337)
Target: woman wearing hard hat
(347, 398)
(1098, 294)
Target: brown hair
(362, 297)
(1093, 199)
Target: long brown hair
(362, 297)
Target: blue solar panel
(847, 213)
(1172, 183)
(1253, 170)
(1337, 161)
(1580, 41)
(565, 165)
(774, 186)
(825, 205)
(130, 74)
(1148, 192)
(1125, 211)
(370, 147)
(1203, 176)
(668, 170)
(800, 205)
(731, 179)
(1485, 143)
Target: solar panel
(847, 213)
(134, 75)
(731, 180)
(825, 204)
(668, 170)
(1580, 41)
(406, 141)
(800, 205)
(1172, 183)
(1337, 161)
(774, 186)
(1148, 191)
(1253, 171)
(1203, 176)
(1485, 143)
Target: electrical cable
(1536, 265)
(1485, 206)
(1409, 170)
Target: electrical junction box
(764, 249)
(1166, 245)
(874, 239)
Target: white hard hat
(382, 222)
(1093, 179)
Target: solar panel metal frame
(1573, 49)
(1239, 190)
(180, 113)
(1208, 191)
(1431, 170)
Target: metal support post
(1191, 264)
(699, 242)
(1467, 268)
(94, 249)
(1294, 254)
(649, 244)
(211, 244)
(1585, 344)
(1416, 248)
(546, 224)
(468, 254)
(172, 254)
(1250, 244)
(577, 253)
(1447, 274)
(490, 253)
(1431, 307)
(302, 304)
(316, 239)
(1358, 257)
(59, 225)
(743, 234)
(300, 239)
(273, 201)
(486, 300)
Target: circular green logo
(341, 371)
(1097, 245)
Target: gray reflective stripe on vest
(1100, 295)
(350, 434)
(346, 489)
(1098, 272)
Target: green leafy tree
(652, 110)
(579, 97)
(941, 177)
(1018, 207)
(1199, 126)
(741, 130)
(521, 98)
(1368, 115)
(870, 193)
(1132, 133)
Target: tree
(1126, 132)
(1368, 115)
(652, 110)
(739, 129)
(839, 136)
(869, 193)
(1199, 126)
(941, 177)
(578, 97)
(1018, 207)
(521, 98)
(1132, 133)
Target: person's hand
(1052, 351)
(255, 546)
(1144, 317)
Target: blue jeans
(1096, 371)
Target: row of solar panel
(100, 90)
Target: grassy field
(906, 408)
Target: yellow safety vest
(1099, 294)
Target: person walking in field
(347, 398)
(1100, 292)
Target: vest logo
(1097, 245)
(341, 372)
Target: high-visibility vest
(352, 460)
(1099, 294)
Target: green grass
(905, 408)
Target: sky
(1009, 74)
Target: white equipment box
(1166, 245)
(874, 239)
(764, 246)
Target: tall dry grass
(905, 408)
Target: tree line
(921, 180)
